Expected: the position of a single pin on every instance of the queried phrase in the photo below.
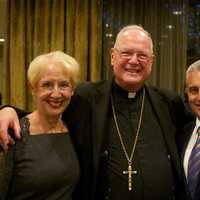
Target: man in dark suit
(133, 153)
(189, 141)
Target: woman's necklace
(129, 159)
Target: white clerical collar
(131, 95)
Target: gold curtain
(86, 29)
(168, 25)
(166, 20)
(41, 26)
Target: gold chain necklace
(129, 172)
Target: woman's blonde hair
(69, 64)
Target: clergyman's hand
(8, 119)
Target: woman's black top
(42, 166)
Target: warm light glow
(176, 12)
(2, 40)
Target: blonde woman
(43, 164)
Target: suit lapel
(168, 130)
(185, 137)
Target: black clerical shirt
(154, 178)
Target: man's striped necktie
(194, 166)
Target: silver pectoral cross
(129, 172)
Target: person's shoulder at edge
(176, 103)
(82, 98)
(80, 103)
(170, 97)
(88, 87)
(166, 93)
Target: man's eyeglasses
(128, 55)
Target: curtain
(40, 26)
(86, 29)
(166, 21)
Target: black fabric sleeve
(182, 113)
(6, 169)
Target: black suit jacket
(170, 112)
(183, 140)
